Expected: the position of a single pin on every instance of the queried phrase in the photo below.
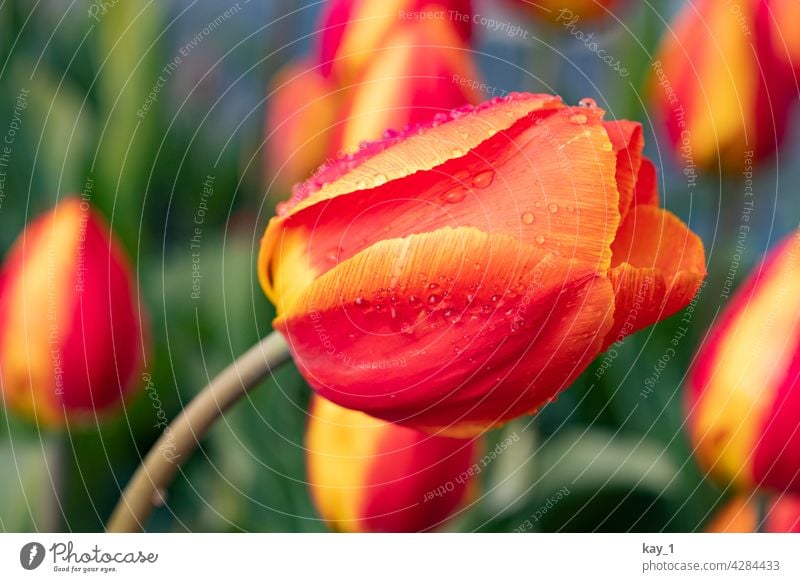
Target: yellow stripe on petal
(338, 483)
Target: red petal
(454, 330)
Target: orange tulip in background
(380, 65)
(494, 252)
(566, 10)
(742, 514)
(367, 475)
(743, 400)
(723, 81)
(70, 328)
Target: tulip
(301, 111)
(742, 514)
(353, 30)
(367, 475)
(494, 252)
(569, 11)
(421, 70)
(721, 86)
(70, 327)
(743, 399)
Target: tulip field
(494, 266)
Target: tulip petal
(628, 143)
(750, 352)
(658, 266)
(646, 184)
(367, 475)
(455, 330)
(547, 181)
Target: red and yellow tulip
(70, 328)
(494, 252)
(353, 32)
(742, 514)
(421, 70)
(367, 475)
(743, 400)
(381, 65)
(721, 84)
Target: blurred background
(109, 110)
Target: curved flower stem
(182, 437)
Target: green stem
(182, 437)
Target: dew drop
(539, 239)
(483, 179)
(454, 195)
(412, 300)
(361, 184)
(553, 208)
(433, 286)
(587, 102)
(495, 298)
(527, 218)
(433, 298)
(361, 303)
(607, 146)
(476, 266)
(456, 152)
(379, 179)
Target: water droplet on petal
(412, 300)
(361, 184)
(553, 208)
(433, 298)
(457, 153)
(539, 239)
(607, 146)
(483, 179)
(454, 195)
(587, 102)
(379, 179)
(361, 303)
(527, 218)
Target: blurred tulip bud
(477, 264)
(352, 30)
(367, 475)
(720, 85)
(301, 112)
(743, 399)
(71, 336)
(747, 513)
(569, 12)
(423, 69)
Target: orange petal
(646, 184)
(456, 329)
(658, 266)
(628, 143)
(547, 180)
